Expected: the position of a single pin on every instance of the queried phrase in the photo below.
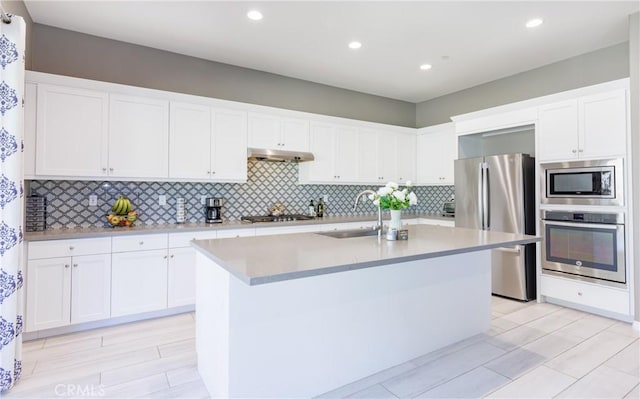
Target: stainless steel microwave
(598, 182)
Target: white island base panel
(303, 337)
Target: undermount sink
(350, 233)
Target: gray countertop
(92, 232)
(268, 259)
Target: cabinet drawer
(230, 233)
(139, 242)
(181, 240)
(600, 297)
(60, 248)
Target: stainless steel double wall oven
(584, 237)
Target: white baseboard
(27, 336)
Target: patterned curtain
(12, 43)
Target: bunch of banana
(122, 206)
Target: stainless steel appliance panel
(506, 193)
(468, 192)
(509, 272)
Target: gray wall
(64, 52)
(634, 68)
(599, 66)
(17, 7)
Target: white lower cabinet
(138, 282)
(68, 290)
(609, 299)
(181, 277)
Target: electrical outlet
(162, 200)
(203, 199)
(325, 197)
(93, 200)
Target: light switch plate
(162, 200)
(203, 199)
(93, 200)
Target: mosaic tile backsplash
(268, 183)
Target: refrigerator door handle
(480, 196)
(486, 188)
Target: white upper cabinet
(189, 141)
(279, 133)
(406, 158)
(436, 152)
(138, 137)
(207, 144)
(71, 133)
(590, 127)
(335, 149)
(30, 116)
(368, 156)
(229, 146)
(603, 124)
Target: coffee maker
(213, 210)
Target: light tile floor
(532, 351)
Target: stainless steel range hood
(263, 154)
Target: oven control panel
(584, 217)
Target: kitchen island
(298, 315)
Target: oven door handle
(607, 226)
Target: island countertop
(269, 259)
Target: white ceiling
(484, 40)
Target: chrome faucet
(355, 206)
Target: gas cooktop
(280, 218)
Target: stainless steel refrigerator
(497, 193)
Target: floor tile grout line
(631, 390)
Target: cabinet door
(387, 157)
(48, 293)
(603, 125)
(294, 134)
(90, 288)
(189, 141)
(138, 137)
(368, 157)
(406, 158)
(436, 155)
(30, 116)
(346, 154)
(264, 131)
(558, 131)
(229, 146)
(322, 144)
(182, 277)
(71, 132)
(138, 282)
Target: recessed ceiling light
(425, 67)
(532, 23)
(355, 45)
(254, 15)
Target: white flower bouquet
(391, 196)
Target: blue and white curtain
(12, 44)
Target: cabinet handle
(110, 169)
(71, 248)
(579, 293)
(208, 172)
(580, 150)
(165, 257)
(171, 256)
(75, 265)
(141, 242)
(574, 151)
(66, 266)
(104, 169)
(213, 172)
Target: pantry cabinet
(207, 144)
(335, 149)
(71, 131)
(138, 137)
(68, 282)
(278, 133)
(436, 153)
(585, 128)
